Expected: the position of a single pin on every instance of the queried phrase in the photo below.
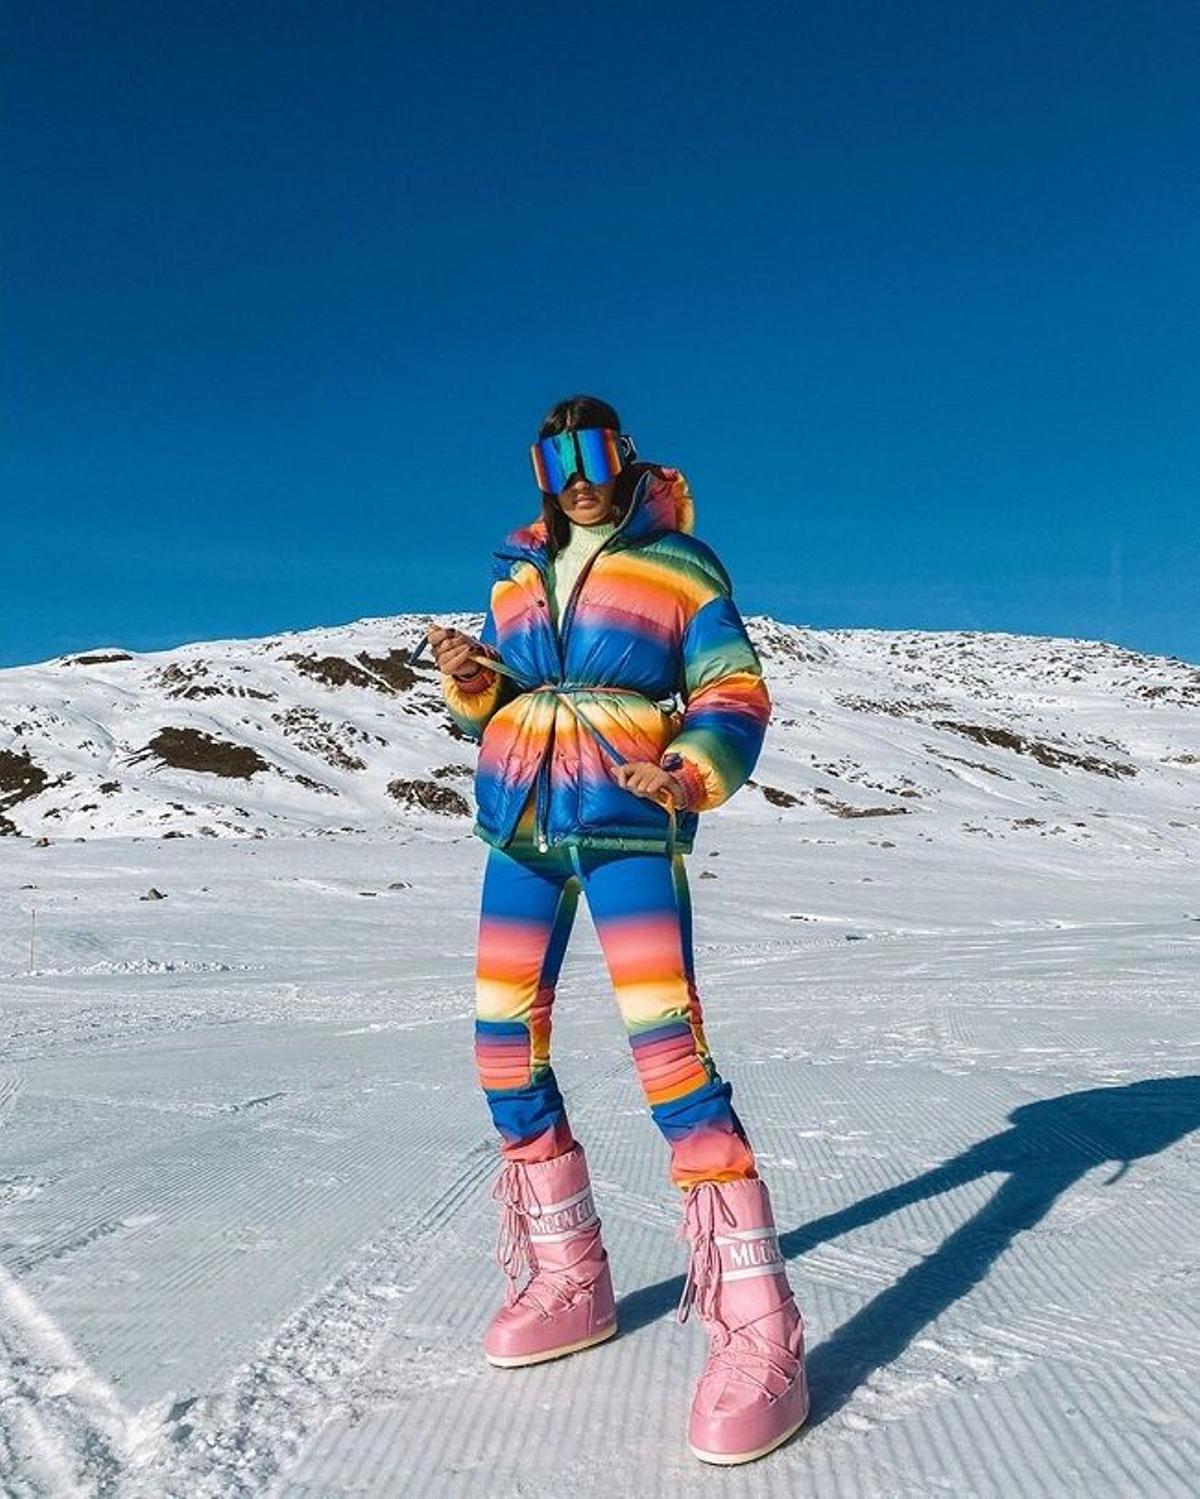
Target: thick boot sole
(521, 1360)
(729, 1459)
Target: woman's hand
(452, 650)
(644, 778)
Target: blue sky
(909, 292)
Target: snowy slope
(245, 1227)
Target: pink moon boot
(548, 1219)
(753, 1393)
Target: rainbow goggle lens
(598, 453)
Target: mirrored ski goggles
(598, 453)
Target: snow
(244, 1165)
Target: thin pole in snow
(32, 934)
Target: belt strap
(564, 691)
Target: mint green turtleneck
(570, 560)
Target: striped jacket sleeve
(728, 705)
(471, 703)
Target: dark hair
(576, 412)
(569, 415)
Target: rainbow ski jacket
(651, 649)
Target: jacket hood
(662, 501)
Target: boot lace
(702, 1206)
(514, 1248)
(737, 1352)
(747, 1353)
(514, 1192)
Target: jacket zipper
(568, 612)
(560, 638)
(543, 780)
(561, 635)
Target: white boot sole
(519, 1361)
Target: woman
(590, 780)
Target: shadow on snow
(1051, 1144)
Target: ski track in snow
(247, 1234)
(246, 1237)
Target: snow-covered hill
(947, 948)
(979, 737)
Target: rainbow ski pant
(641, 907)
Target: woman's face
(586, 503)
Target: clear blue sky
(910, 292)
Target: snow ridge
(330, 731)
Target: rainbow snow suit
(650, 615)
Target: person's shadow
(1051, 1144)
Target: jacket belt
(598, 687)
(564, 690)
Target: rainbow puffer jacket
(650, 619)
